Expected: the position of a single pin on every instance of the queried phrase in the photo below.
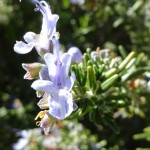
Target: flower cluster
(53, 83)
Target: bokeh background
(91, 23)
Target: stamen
(40, 115)
(36, 9)
(39, 6)
(38, 123)
(60, 63)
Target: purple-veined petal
(70, 82)
(61, 105)
(23, 48)
(44, 85)
(44, 73)
(49, 20)
(45, 10)
(63, 69)
(49, 25)
(30, 37)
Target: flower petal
(70, 82)
(61, 105)
(49, 25)
(65, 66)
(44, 73)
(52, 68)
(52, 24)
(44, 85)
(30, 37)
(23, 48)
(49, 20)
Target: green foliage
(6, 10)
(145, 135)
(105, 92)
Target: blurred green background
(103, 23)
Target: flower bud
(76, 55)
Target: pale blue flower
(42, 41)
(61, 104)
(55, 81)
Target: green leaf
(91, 79)
(109, 82)
(126, 61)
